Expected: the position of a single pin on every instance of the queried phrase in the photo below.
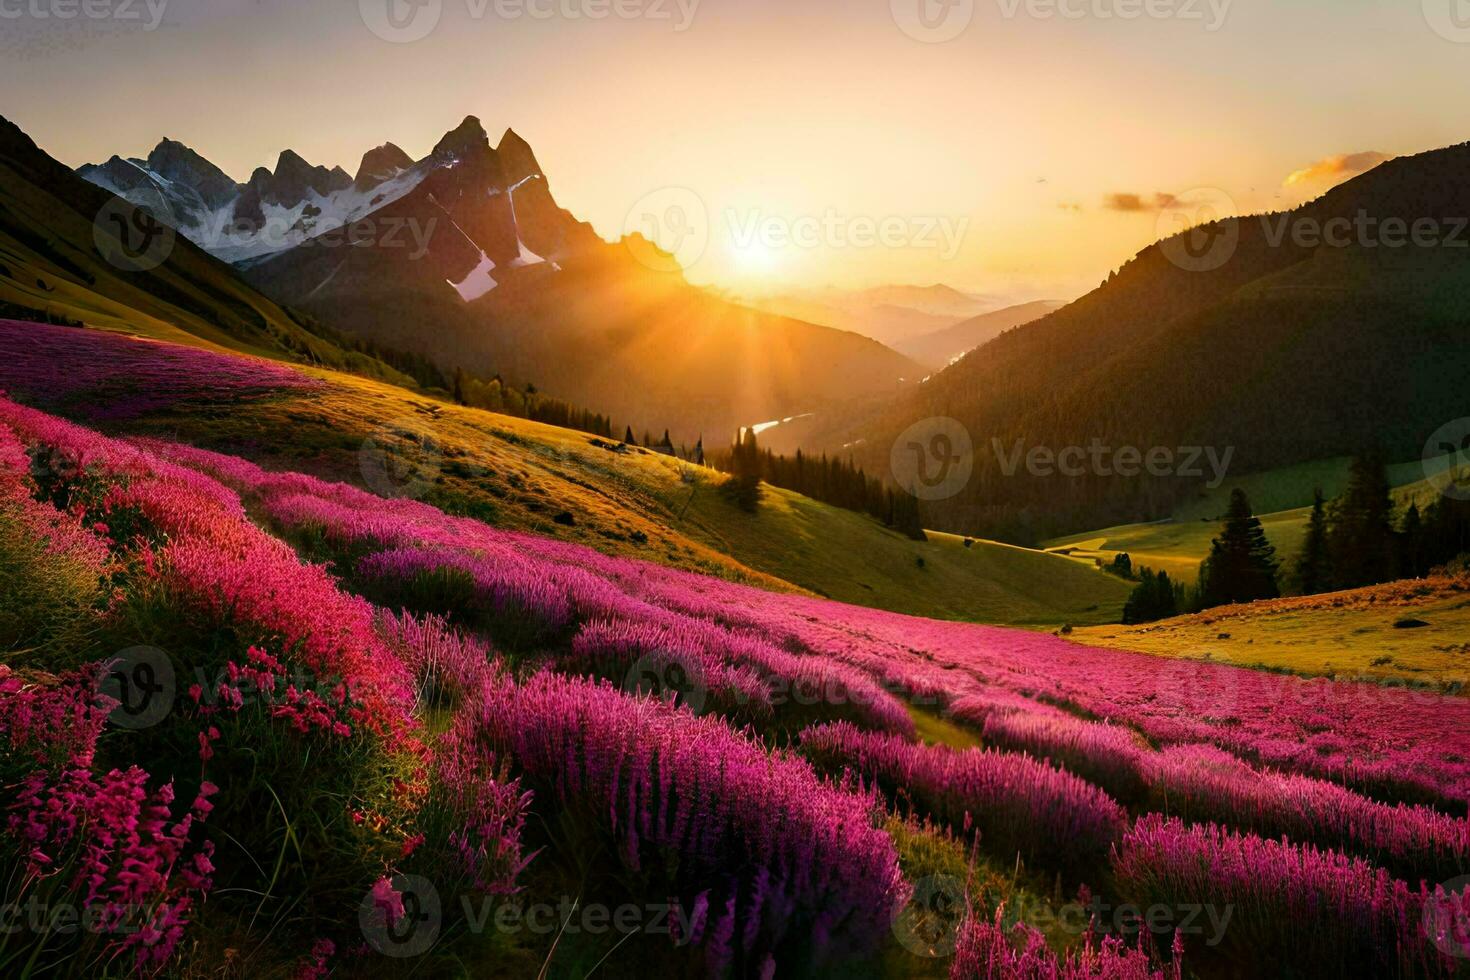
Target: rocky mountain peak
(465, 140)
(381, 163)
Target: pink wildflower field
(370, 703)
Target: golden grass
(527, 476)
(1359, 633)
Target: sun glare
(752, 259)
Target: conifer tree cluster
(833, 481)
(1351, 542)
(1357, 540)
(744, 487)
(1155, 597)
(528, 403)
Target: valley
(906, 492)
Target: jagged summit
(381, 163)
(516, 157)
(464, 140)
(178, 163)
(279, 207)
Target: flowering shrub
(296, 698)
(99, 844)
(1013, 803)
(448, 664)
(52, 568)
(503, 595)
(1109, 755)
(1293, 908)
(782, 871)
(986, 952)
(474, 815)
(1203, 785)
(208, 558)
(672, 664)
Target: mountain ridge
(1284, 352)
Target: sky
(1022, 148)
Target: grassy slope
(514, 473)
(1178, 545)
(1346, 633)
(525, 475)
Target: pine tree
(1152, 599)
(1313, 572)
(1360, 531)
(744, 486)
(906, 516)
(1411, 544)
(1446, 531)
(1242, 563)
(628, 438)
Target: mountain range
(891, 314)
(465, 257)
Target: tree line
(494, 395)
(834, 481)
(1356, 540)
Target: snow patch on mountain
(478, 282)
(287, 227)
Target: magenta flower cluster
(987, 951)
(1294, 908)
(1014, 804)
(102, 842)
(777, 867)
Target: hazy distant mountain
(889, 314)
(1280, 348)
(946, 345)
(936, 300)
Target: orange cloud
(1336, 168)
(1129, 203)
